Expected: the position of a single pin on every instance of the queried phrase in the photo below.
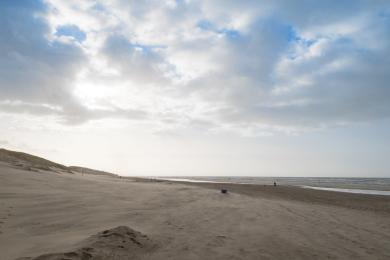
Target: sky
(207, 87)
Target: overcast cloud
(238, 65)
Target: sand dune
(34, 163)
(118, 243)
(29, 162)
(53, 213)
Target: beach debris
(224, 191)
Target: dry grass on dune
(28, 160)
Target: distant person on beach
(275, 183)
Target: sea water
(376, 186)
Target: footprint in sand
(169, 223)
(4, 216)
(218, 241)
(1, 225)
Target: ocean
(376, 186)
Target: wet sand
(66, 215)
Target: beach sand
(74, 216)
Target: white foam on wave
(358, 191)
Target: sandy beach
(75, 216)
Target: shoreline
(368, 202)
(332, 188)
(354, 191)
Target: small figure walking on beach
(275, 183)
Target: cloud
(138, 63)
(250, 66)
(78, 115)
(284, 71)
(38, 73)
(33, 68)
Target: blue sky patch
(72, 31)
(209, 26)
